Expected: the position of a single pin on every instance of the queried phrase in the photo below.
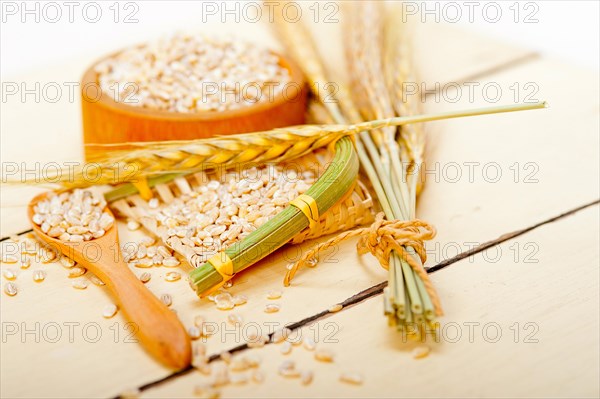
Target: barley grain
(96, 280)
(274, 294)
(235, 319)
(66, 262)
(143, 263)
(280, 335)
(172, 276)
(309, 344)
(286, 348)
(324, 355)
(272, 308)
(288, 369)
(10, 289)
(132, 225)
(239, 300)
(80, 284)
(166, 299)
(145, 277)
(194, 332)
(335, 308)
(421, 351)
(170, 262)
(109, 311)
(206, 392)
(353, 378)
(25, 262)
(39, 276)
(9, 274)
(77, 271)
(7, 258)
(306, 377)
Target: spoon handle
(157, 327)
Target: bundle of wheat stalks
(379, 63)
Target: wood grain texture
(515, 327)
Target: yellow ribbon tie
(308, 206)
(224, 266)
(143, 188)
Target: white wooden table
(539, 289)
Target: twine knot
(382, 237)
(385, 236)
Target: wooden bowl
(107, 121)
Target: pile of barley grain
(73, 216)
(184, 73)
(215, 215)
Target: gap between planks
(378, 289)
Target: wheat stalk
(366, 57)
(159, 159)
(406, 299)
(400, 72)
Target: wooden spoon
(158, 328)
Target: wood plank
(526, 167)
(554, 300)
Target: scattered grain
(80, 284)
(171, 261)
(9, 274)
(336, 308)
(280, 335)
(235, 319)
(274, 294)
(206, 392)
(272, 308)
(96, 280)
(286, 348)
(25, 262)
(10, 289)
(239, 300)
(39, 276)
(194, 332)
(309, 344)
(130, 393)
(324, 355)
(353, 378)
(306, 377)
(109, 311)
(145, 277)
(132, 225)
(288, 369)
(421, 351)
(166, 299)
(7, 258)
(172, 276)
(225, 304)
(77, 271)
